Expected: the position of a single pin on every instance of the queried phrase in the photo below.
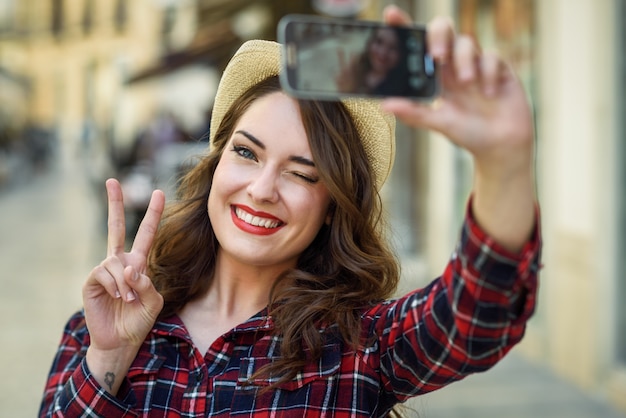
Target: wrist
(109, 367)
(504, 205)
(505, 165)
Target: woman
(265, 290)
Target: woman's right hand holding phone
(120, 302)
(483, 108)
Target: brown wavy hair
(346, 268)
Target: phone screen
(330, 58)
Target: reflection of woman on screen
(380, 69)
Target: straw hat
(257, 60)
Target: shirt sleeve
(71, 390)
(461, 323)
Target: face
(267, 203)
(384, 51)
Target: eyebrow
(257, 142)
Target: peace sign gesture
(120, 301)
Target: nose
(263, 187)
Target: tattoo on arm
(109, 378)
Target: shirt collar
(260, 321)
(174, 326)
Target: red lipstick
(253, 229)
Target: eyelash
(306, 178)
(247, 153)
(244, 152)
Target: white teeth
(255, 220)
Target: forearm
(109, 368)
(465, 321)
(504, 200)
(71, 386)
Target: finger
(491, 69)
(440, 39)
(115, 270)
(417, 115)
(116, 222)
(99, 279)
(144, 290)
(149, 225)
(393, 15)
(466, 57)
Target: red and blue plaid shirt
(462, 323)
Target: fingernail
(117, 294)
(136, 276)
(130, 296)
(438, 54)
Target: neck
(238, 289)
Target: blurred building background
(93, 80)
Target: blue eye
(244, 152)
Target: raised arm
(482, 108)
(468, 319)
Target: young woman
(265, 290)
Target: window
(88, 12)
(57, 17)
(167, 27)
(121, 15)
(7, 15)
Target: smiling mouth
(256, 220)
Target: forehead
(276, 119)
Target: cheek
(227, 178)
(317, 208)
(220, 189)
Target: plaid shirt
(462, 323)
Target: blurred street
(50, 240)
(514, 388)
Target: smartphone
(326, 58)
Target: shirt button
(199, 376)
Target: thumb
(416, 114)
(146, 293)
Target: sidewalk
(514, 388)
(51, 240)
